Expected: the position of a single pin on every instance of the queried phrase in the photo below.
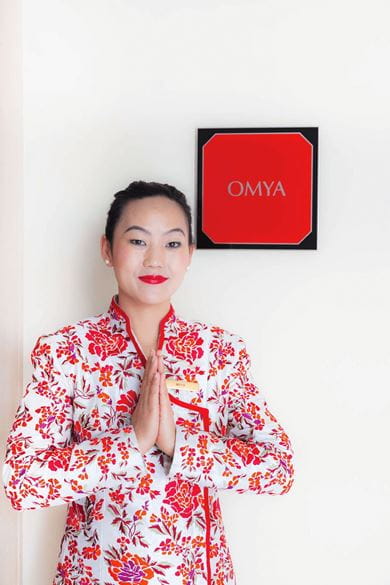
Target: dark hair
(139, 190)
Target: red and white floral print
(138, 519)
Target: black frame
(204, 134)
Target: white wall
(11, 245)
(114, 91)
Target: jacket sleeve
(43, 466)
(254, 456)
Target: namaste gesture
(152, 418)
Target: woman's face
(157, 246)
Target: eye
(134, 240)
(178, 244)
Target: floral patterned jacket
(136, 519)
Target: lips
(155, 279)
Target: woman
(136, 417)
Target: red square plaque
(257, 188)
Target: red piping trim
(206, 425)
(160, 339)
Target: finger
(148, 380)
(163, 389)
(159, 384)
(149, 361)
(163, 398)
(160, 364)
(154, 390)
(151, 358)
(152, 366)
(160, 397)
(159, 358)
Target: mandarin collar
(121, 318)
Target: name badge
(181, 384)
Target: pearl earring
(107, 261)
(188, 267)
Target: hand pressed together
(153, 419)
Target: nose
(153, 256)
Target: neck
(144, 318)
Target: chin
(154, 299)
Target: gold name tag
(181, 384)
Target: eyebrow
(138, 227)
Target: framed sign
(257, 188)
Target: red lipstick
(153, 279)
